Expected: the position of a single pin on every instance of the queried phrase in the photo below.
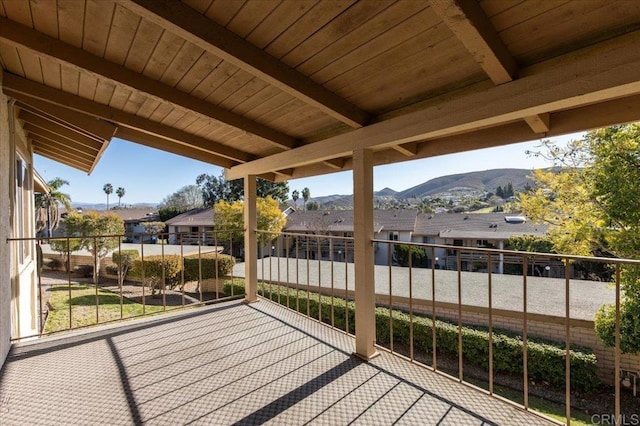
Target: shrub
(111, 270)
(124, 259)
(546, 359)
(154, 267)
(213, 265)
(52, 263)
(85, 271)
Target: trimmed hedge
(211, 262)
(546, 359)
(153, 267)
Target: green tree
(216, 189)
(186, 198)
(306, 194)
(124, 260)
(120, 193)
(531, 243)
(154, 228)
(294, 196)
(508, 191)
(94, 231)
(108, 189)
(500, 192)
(66, 246)
(591, 199)
(47, 205)
(312, 205)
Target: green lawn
(83, 307)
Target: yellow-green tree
(592, 202)
(229, 219)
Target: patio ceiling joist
(63, 146)
(74, 144)
(44, 46)
(49, 152)
(42, 97)
(214, 38)
(591, 75)
(467, 20)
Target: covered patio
(231, 363)
(280, 90)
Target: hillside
(487, 180)
(460, 184)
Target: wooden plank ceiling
(286, 89)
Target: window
(458, 243)
(393, 236)
(429, 240)
(22, 207)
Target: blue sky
(149, 175)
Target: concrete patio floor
(230, 363)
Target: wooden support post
(250, 240)
(363, 253)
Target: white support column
(501, 263)
(250, 240)
(363, 253)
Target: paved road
(544, 295)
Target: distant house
(491, 230)
(485, 230)
(192, 227)
(133, 220)
(395, 225)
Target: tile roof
(342, 220)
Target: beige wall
(5, 215)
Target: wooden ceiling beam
(40, 145)
(539, 123)
(408, 150)
(470, 25)
(43, 98)
(196, 28)
(162, 144)
(595, 74)
(39, 122)
(335, 163)
(44, 46)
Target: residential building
(192, 227)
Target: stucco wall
(5, 276)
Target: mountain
(487, 180)
(103, 206)
(386, 192)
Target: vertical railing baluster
(525, 342)
(231, 253)
(163, 276)
(215, 256)
(182, 269)
(278, 253)
(318, 259)
(333, 323)
(297, 273)
(144, 284)
(287, 249)
(617, 349)
(308, 277)
(434, 361)
(270, 272)
(69, 279)
(96, 274)
(200, 269)
(390, 248)
(346, 285)
(459, 268)
(120, 276)
(490, 303)
(411, 354)
(264, 294)
(567, 325)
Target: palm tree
(120, 194)
(47, 212)
(295, 195)
(306, 194)
(108, 189)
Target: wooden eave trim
(38, 96)
(74, 143)
(89, 126)
(65, 147)
(42, 45)
(53, 154)
(595, 74)
(37, 121)
(196, 28)
(470, 25)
